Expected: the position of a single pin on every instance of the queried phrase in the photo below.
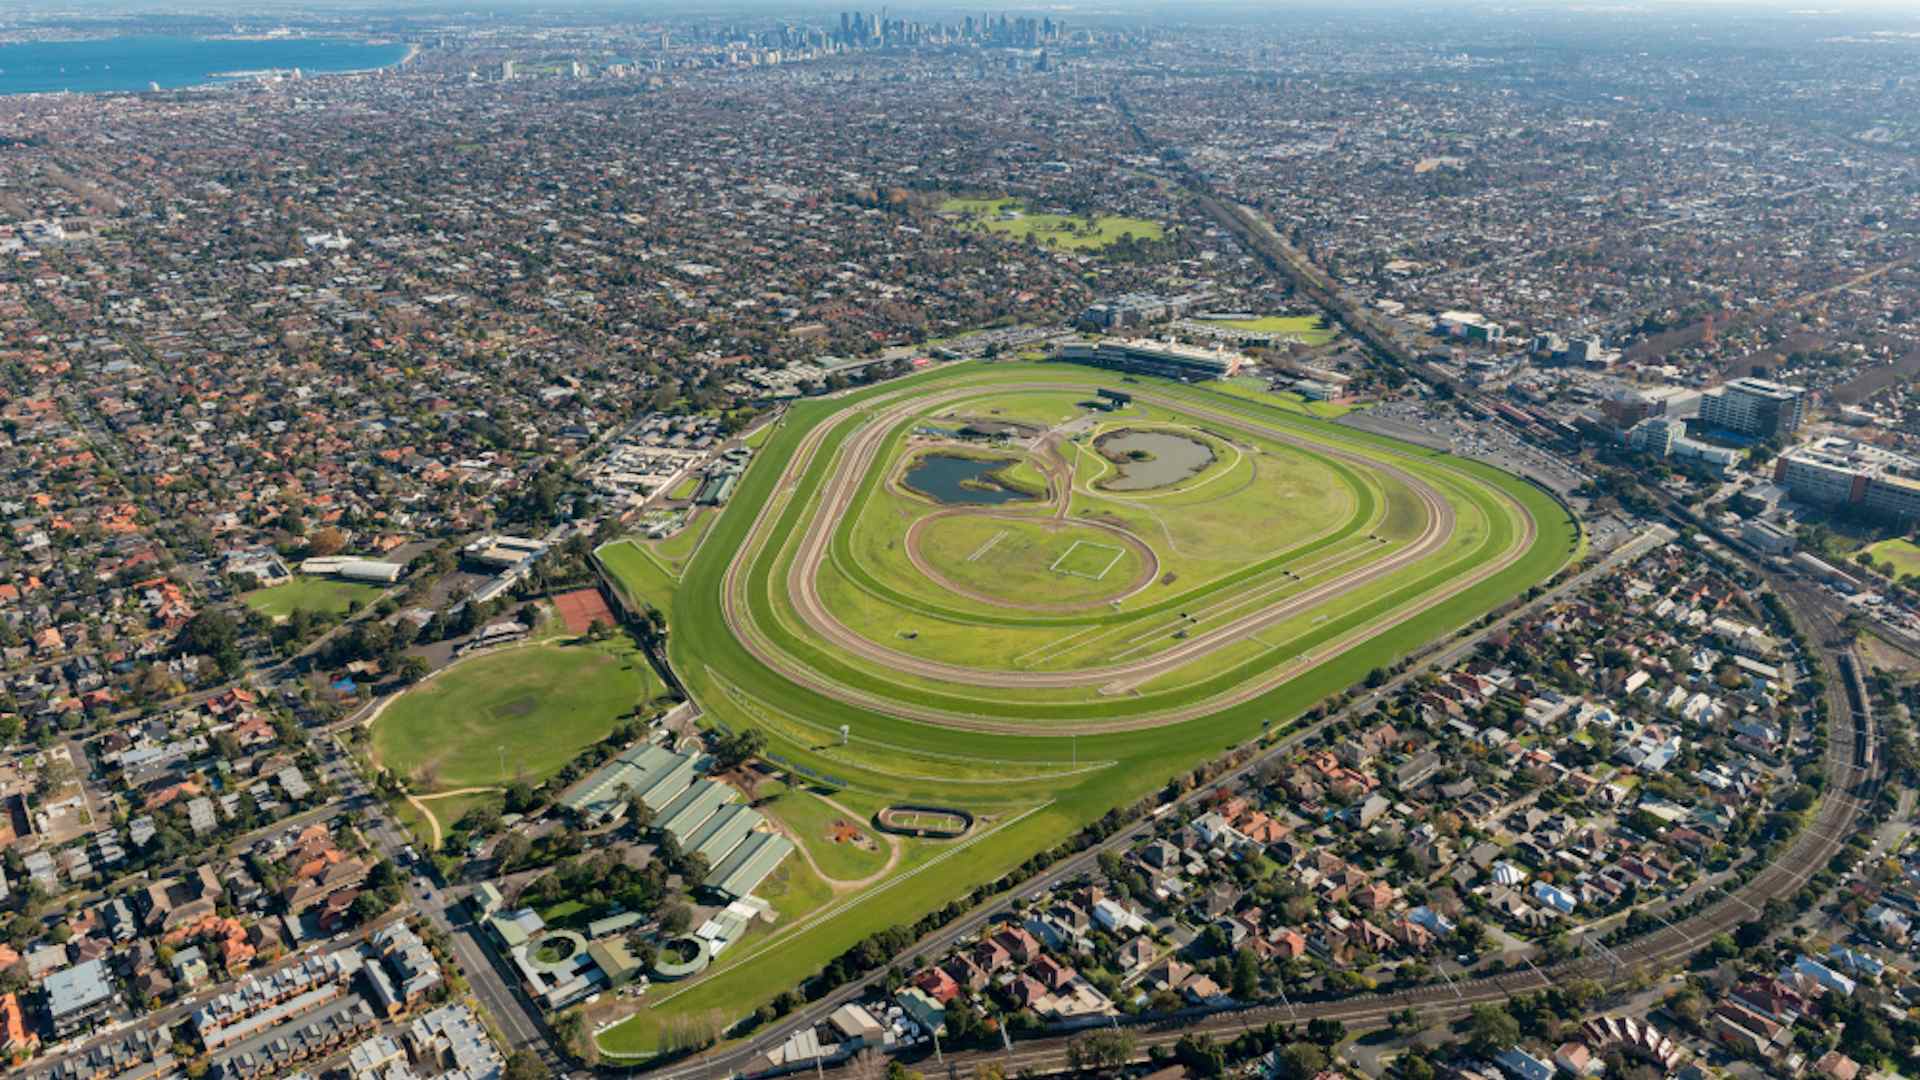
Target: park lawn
(415, 824)
(1306, 329)
(811, 821)
(449, 810)
(641, 577)
(519, 713)
(306, 593)
(1050, 230)
(759, 435)
(685, 488)
(1904, 554)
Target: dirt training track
(854, 461)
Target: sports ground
(1010, 217)
(512, 714)
(1039, 661)
(306, 593)
(1305, 329)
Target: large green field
(1305, 329)
(307, 593)
(512, 714)
(1300, 557)
(1010, 217)
(1902, 553)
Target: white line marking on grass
(1039, 653)
(1118, 554)
(988, 546)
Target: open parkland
(1036, 661)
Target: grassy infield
(1028, 790)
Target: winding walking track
(854, 461)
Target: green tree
(1246, 975)
(1326, 1032)
(526, 1065)
(675, 918)
(1302, 1060)
(1103, 1049)
(1492, 1029)
(736, 749)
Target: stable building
(742, 872)
(657, 775)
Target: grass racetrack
(1316, 554)
(512, 714)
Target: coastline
(173, 80)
